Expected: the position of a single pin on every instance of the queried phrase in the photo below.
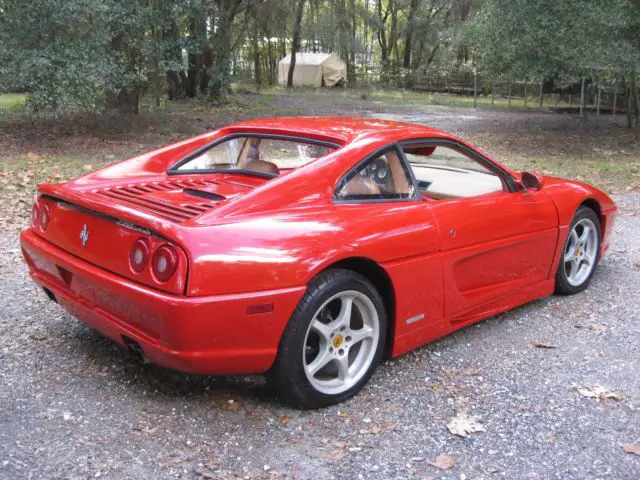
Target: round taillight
(139, 255)
(35, 214)
(165, 262)
(45, 216)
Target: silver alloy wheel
(580, 252)
(341, 342)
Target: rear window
(253, 154)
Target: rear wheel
(581, 253)
(333, 342)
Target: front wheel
(581, 253)
(333, 343)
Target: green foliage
(92, 55)
(565, 40)
(69, 55)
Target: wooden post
(493, 94)
(510, 83)
(525, 95)
(582, 98)
(629, 103)
(541, 91)
(475, 89)
(615, 101)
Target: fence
(583, 96)
(586, 95)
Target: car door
(495, 240)
(384, 219)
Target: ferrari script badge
(84, 235)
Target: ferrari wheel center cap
(337, 341)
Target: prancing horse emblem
(84, 235)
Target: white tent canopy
(313, 70)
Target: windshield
(255, 155)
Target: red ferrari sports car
(308, 248)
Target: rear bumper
(207, 335)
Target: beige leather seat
(398, 175)
(262, 166)
(360, 185)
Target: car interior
(269, 156)
(250, 158)
(383, 175)
(442, 172)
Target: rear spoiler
(117, 212)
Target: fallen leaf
(284, 419)
(591, 326)
(337, 454)
(632, 448)
(462, 425)
(443, 462)
(543, 345)
(599, 393)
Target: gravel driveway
(74, 405)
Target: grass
(402, 98)
(12, 102)
(36, 151)
(611, 174)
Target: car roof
(340, 129)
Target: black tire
(563, 287)
(287, 374)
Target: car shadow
(106, 358)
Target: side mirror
(532, 180)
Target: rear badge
(84, 235)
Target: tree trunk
(271, 69)
(219, 75)
(393, 34)
(197, 31)
(255, 46)
(541, 91)
(582, 97)
(636, 96)
(295, 43)
(125, 99)
(629, 104)
(382, 36)
(176, 79)
(408, 42)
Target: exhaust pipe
(50, 294)
(136, 350)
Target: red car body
(243, 263)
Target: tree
(565, 41)
(295, 44)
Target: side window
(223, 155)
(444, 172)
(383, 177)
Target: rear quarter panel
(287, 249)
